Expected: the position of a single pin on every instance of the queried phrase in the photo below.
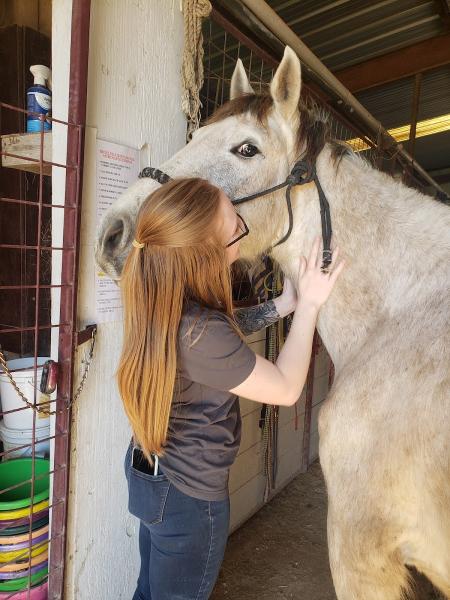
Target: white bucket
(13, 438)
(22, 371)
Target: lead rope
(270, 425)
(192, 67)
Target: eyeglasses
(244, 230)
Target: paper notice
(117, 169)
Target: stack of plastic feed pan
(24, 529)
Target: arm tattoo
(254, 318)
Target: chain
(87, 366)
(45, 410)
(38, 409)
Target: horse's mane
(314, 130)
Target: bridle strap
(325, 217)
(302, 172)
(288, 205)
(259, 194)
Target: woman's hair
(181, 259)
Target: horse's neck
(393, 239)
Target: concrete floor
(281, 552)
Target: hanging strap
(302, 172)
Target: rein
(302, 172)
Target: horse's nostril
(113, 237)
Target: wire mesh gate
(38, 286)
(25, 338)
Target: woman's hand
(287, 301)
(313, 286)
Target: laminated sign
(117, 169)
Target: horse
(384, 427)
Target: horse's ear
(286, 84)
(240, 84)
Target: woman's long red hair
(181, 259)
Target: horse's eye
(246, 150)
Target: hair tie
(137, 244)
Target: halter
(302, 172)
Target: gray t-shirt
(205, 422)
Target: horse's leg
(360, 569)
(441, 583)
(428, 546)
(436, 572)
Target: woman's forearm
(294, 358)
(255, 318)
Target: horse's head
(248, 145)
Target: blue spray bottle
(39, 99)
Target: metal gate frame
(68, 337)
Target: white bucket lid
(14, 434)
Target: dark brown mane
(314, 131)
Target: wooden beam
(408, 61)
(25, 146)
(414, 112)
(444, 11)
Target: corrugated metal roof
(391, 103)
(345, 32)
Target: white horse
(384, 429)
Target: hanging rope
(274, 336)
(192, 68)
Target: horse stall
(131, 81)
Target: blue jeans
(181, 539)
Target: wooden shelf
(28, 146)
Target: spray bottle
(39, 99)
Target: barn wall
(247, 480)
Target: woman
(182, 368)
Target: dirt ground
(281, 552)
